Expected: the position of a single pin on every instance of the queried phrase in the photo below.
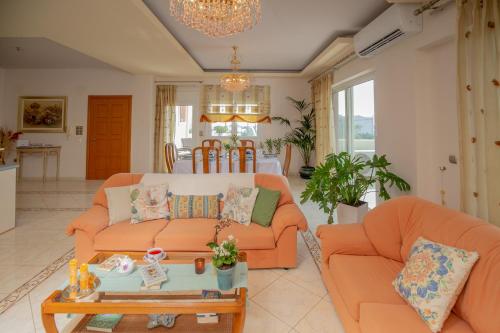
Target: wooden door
(108, 136)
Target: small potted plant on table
(343, 180)
(224, 260)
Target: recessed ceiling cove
(290, 35)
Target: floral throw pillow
(148, 202)
(432, 279)
(239, 203)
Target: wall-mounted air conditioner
(394, 24)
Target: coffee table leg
(49, 322)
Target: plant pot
(350, 214)
(225, 278)
(306, 172)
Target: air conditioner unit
(396, 23)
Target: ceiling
(43, 53)
(290, 35)
(295, 38)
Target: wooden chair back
(288, 158)
(170, 157)
(247, 143)
(243, 158)
(213, 143)
(205, 153)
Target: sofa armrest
(91, 222)
(344, 239)
(287, 215)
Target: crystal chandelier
(235, 81)
(217, 18)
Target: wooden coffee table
(136, 305)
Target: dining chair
(205, 153)
(170, 157)
(247, 143)
(242, 156)
(288, 157)
(214, 143)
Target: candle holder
(199, 265)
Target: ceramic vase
(350, 214)
(225, 278)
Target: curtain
(164, 123)
(252, 105)
(322, 103)
(479, 111)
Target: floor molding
(34, 282)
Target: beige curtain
(479, 112)
(322, 102)
(252, 105)
(164, 123)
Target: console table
(46, 151)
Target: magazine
(104, 322)
(111, 263)
(152, 274)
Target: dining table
(264, 165)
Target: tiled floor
(279, 300)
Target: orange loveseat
(274, 246)
(360, 261)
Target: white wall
(77, 85)
(280, 89)
(415, 103)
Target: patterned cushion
(239, 204)
(432, 279)
(194, 206)
(148, 202)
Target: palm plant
(346, 179)
(304, 135)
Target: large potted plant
(302, 136)
(224, 260)
(342, 181)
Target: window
(242, 129)
(354, 114)
(183, 124)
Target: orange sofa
(360, 261)
(275, 246)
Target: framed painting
(42, 114)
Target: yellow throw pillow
(194, 206)
(432, 279)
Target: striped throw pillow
(194, 206)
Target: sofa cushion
(187, 235)
(251, 237)
(365, 279)
(124, 236)
(393, 318)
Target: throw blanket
(199, 184)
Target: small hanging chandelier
(217, 18)
(235, 81)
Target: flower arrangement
(7, 138)
(225, 254)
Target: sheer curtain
(322, 103)
(164, 123)
(479, 111)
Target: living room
(349, 115)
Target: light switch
(452, 159)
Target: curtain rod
(426, 6)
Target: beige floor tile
(12, 277)
(18, 318)
(61, 201)
(259, 320)
(321, 319)
(259, 279)
(286, 300)
(32, 200)
(307, 276)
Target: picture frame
(42, 114)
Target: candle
(73, 267)
(84, 277)
(199, 265)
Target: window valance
(252, 105)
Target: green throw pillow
(265, 206)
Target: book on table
(104, 322)
(152, 274)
